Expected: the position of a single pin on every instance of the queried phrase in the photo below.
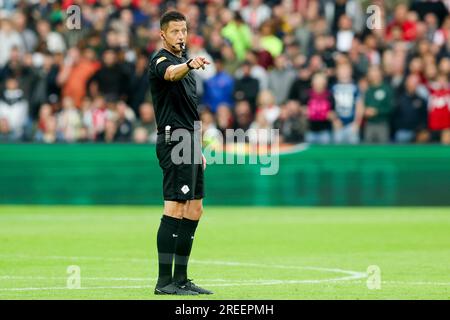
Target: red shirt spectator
(405, 21)
(439, 105)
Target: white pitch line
(250, 281)
(22, 256)
(81, 288)
(241, 283)
(353, 274)
(7, 277)
(349, 275)
(419, 283)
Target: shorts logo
(185, 189)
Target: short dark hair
(170, 16)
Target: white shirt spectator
(9, 40)
(55, 43)
(271, 113)
(14, 108)
(352, 8)
(256, 15)
(344, 40)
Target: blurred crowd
(319, 71)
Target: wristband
(187, 63)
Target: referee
(173, 90)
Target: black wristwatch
(189, 66)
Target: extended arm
(179, 71)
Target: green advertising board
(128, 174)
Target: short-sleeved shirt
(346, 96)
(175, 102)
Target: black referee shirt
(175, 102)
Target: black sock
(183, 248)
(166, 239)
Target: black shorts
(182, 181)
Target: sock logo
(185, 189)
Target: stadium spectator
(281, 78)
(334, 10)
(230, 62)
(378, 108)
(109, 134)
(349, 106)
(29, 37)
(212, 137)
(9, 38)
(224, 118)
(50, 40)
(125, 117)
(260, 133)
(219, 88)
(239, 34)
(299, 89)
(318, 106)
(50, 133)
(111, 79)
(14, 108)
(76, 71)
(44, 82)
(140, 135)
(256, 13)
(196, 48)
(257, 71)
(372, 51)
(95, 116)
(344, 34)
(269, 41)
(69, 120)
(260, 55)
(216, 43)
(439, 108)
(247, 87)
(410, 115)
(290, 123)
(404, 24)
(6, 134)
(323, 48)
(264, 46)
(243, 115)
(20, 67)
(358, 59)
(147, 121)
(139, 84)
(267, 107)
(44, 113)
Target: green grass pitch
(239, 252)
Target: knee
(175, 210)
(174, 213)
(195, 212)
(177, 214)
(198, 211)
